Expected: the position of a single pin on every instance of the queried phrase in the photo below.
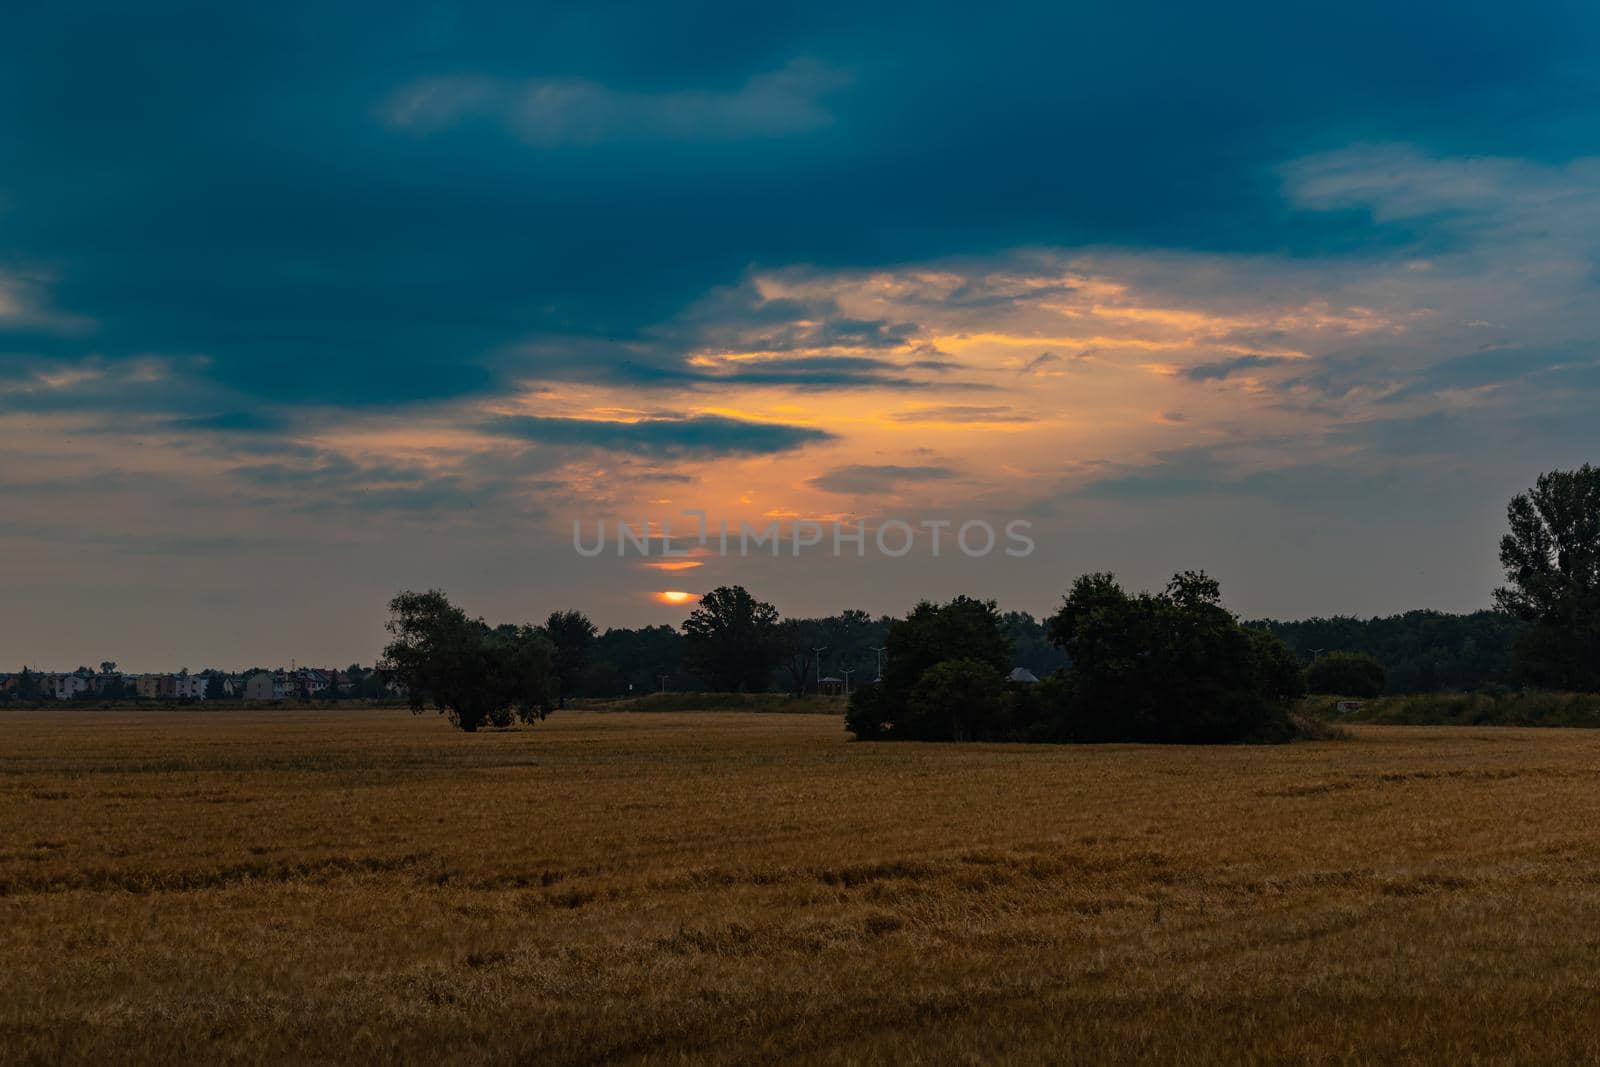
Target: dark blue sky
(216, 178)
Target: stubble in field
(736, 887)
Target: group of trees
(1420, 651)
(1171, 666)
(1174, 667)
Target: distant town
(258, 685)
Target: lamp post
(817, 652)
(847, 672)
(878, 655)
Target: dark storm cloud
(701, 436)
(325, 201)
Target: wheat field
(726, 887)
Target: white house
(192, 686)
(67, 686)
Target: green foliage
(1031, 646)
(573, 636)
(957, 700)
(965, 628)
(1421, 651)
(1277, 666)
(865, 716)
(1552, 560)
(472, 674)
(966, 639)
(1498, 707)
(732, 639)
(1174, 667)
(1351, 674)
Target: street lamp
(817, 652)
(847, 672)
(879, 657)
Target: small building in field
(830, 686)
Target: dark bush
(1351, 674)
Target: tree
(965, 631)
(1352, 674)
(957, 700)
(1421, 651)
(1170, 667)
(732, 639)
(965, 628)
(798, 641)
(108, 667)
(468, 672)
(633, 661)
(573, 636)
(1552, 560)
(1278, 667)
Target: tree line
(1168, 666)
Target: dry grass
(364, 885)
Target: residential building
(263, 686)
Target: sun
(674, 596)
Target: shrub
(1354, 674)
(957, 700)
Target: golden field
(323, 885)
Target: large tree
(967, 633)
(732, 639)
(471, 673)
(1552, 561)
(573, 636)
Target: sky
(304, 304)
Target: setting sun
(674, 596)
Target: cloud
(1227, 368)
(1039, 362)
(700, 436)
(1499, 366)
(963, 413)
(244, 422)
(549, 112)
(662, 365)
(876, 479)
